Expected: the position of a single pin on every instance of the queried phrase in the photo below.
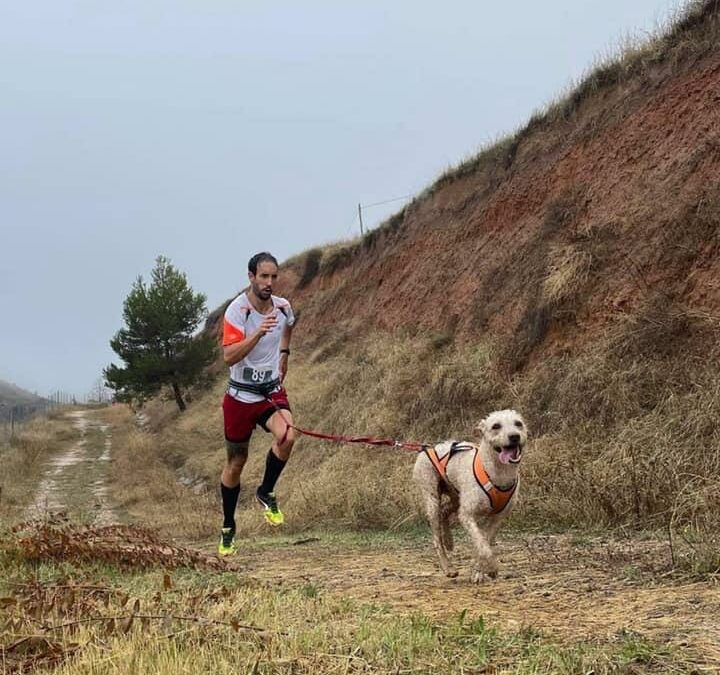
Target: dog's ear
(481, 428)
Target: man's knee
(237, 452)
(287, 441)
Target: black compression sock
(273, 468)
(229, 500)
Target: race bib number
(256, 376)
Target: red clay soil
(630, 180)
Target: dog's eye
(519, 424)
(496, 426)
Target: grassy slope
(333, 487)
(585, 249)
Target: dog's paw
(477, 576)
(451, 574)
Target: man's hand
(268, 324)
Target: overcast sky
(208, 130)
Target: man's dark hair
(261, 257)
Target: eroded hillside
(578, 221)
(571, 271)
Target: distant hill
(11, 394)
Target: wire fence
(361, 208)
(14, 417)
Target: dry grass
(619, 439)
(311, 266)
(89, 619)
(393, 387)
(373, 391)
(132, 547)
(23, 461)
(627, 436)
(87, 613)
(147, 485)
(569, 270)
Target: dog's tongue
(506, 454)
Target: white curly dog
(478, 483)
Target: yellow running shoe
(273, 514)
(227, 542)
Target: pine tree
(158, 345)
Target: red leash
(366, 440)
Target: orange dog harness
(498, 497)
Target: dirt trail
(75, 481)
(571, 588)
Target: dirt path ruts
(75, 481)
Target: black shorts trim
(262, 419)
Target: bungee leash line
(339, 438)
(366, 440)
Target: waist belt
(259, 388)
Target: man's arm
(239, 350)
(285, 345)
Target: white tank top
(253, 378)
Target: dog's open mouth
(509, 454)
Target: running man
(256, 345)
